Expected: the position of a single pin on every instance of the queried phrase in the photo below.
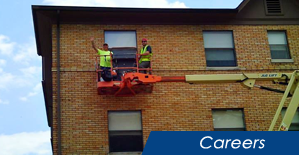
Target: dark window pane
(294, 127)
(221, 63)
(220, 58)
(126, 141)
(279, 52)
(124, 53)
(218, 54)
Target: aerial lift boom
(135, 83)
(247, 80)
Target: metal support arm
(247, 80)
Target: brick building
(258, 36)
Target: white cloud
(6, 79)
(6, 46)
(38, 87)
(2, 62)
(32, 94)
(9, 80)
(3, 102)
(31, 71)
(25, 78)
(26, 143)
(36, 90)
(26, 53)
(21, 53)
(119, 3)
(24, 99)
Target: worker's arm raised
(93, 44)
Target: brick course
(178, 50)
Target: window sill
(282, 60)
(125, 153)
(223, 68)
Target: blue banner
(221, 142)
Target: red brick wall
(178, 50)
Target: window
(228, 120)
(278, 45)
(122, 44)
(125, 131)
(219, 48)
(120, 38)
(295, 122)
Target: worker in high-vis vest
(145, 55)
(105, 60)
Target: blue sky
(23, 123)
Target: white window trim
(282, 60)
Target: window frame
(134, 48)
(226, 109)
(287, 44)
(122, 111)
(122, 55)
(233, 49)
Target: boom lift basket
(119, 86)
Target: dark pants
(106, 74)
(144, 64)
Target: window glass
(120, 38)
(228, 119)
(278, 45)
(125, 131)
(277, 38)
(219, 48)
(218, 39)
(124, 121)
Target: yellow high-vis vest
(145, 57)
(104, 58)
